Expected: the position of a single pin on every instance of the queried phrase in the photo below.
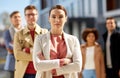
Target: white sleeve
(76, 65)
(42, 65)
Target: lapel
(27, 34)
(68, 45)
(46, 45)
(95, 52)
(28, 39)
(38, 30)
(12, 32)
(105, 36)
(83, 49)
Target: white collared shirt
(108, 55)
(16, 30)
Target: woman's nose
(57, 20)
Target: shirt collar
(37, 29)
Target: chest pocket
(24, 43)
(21, 42)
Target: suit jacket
(98, 60)
(44, 67)
(23, 39)
(114, 49)
(8, 38)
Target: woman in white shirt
(93, 63)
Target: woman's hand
(27, 50)
(40, 56)
(53, 72)
(65, 61)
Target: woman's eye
(53, 16)
(60, 16)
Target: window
(113, 4)
(43, 4)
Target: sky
(12, 5)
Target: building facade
(81, 13)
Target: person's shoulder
(20, 32)
(40, 29)
(105, 33)
(71, 38)
(116, 32)
(6, 32)
(69, 35)
(118, 29)
(97, 45)
(83, 45)
(42, 36)
(44, 30)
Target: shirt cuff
(61, 62)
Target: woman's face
(57, 19)
(90, 38)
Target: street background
(3, 54)
(6, 7)
(81, 14)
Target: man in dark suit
(112, 49)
